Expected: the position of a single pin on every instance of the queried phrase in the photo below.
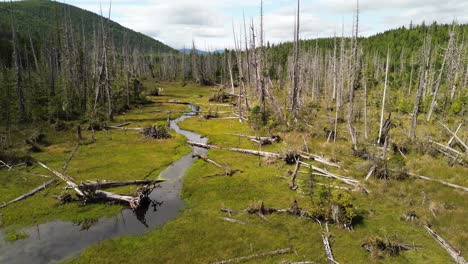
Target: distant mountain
(201, 52)
(43, 19)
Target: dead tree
(295, 88)
(384, 95)
(423, 71)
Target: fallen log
(320, 159)
(29, 194)
(347, 180)
(449, 143)
(72, 154)
(456, 137)
(245, 151)
(256, 256)
(292, 184)
(125, 128)
(6, 165)
(233, 220)
(91, 193)
(112, 184)
(328, 249)
(456, 256)
(439, 181)
(206, 159)
(65, 179)
(259, 140)
(447, 148)
(228, 172)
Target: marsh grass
(198, 235)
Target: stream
(58, 240)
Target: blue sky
(209, 22)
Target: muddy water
(58, 240)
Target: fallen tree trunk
(456, 137)
(233, 220)
(245, 151)
(65, 179)
(439, 181)
(124, 128)
(327, 246)
(456, 256)
(29, 194)
(72, 154)
(205, 158)
(91, 193)
(347, 180)
(112, 184)
(256, 256)
(292, 184)
(259, 140)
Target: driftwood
(91, 193)
(456, 256)
(256, 256)
(259, 140)
(125, 128)
(335, 186)
(319, 159)
(228, 172)
(326, 243)
(29, 194)
(439, 181)
(112, 184)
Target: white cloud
(209, 22)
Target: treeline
(423, 69)
(59, 62)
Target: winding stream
(58, 240)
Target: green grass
(14, 236)
(116, 155)
(198, 235)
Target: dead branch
(256, 256)
(456, 256)
(29, 194)
(347, 180)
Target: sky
(210, 22)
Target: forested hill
(402, 42)
(58, 62)
(46, 20)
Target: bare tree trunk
(384, 94)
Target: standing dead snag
(456, 256)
